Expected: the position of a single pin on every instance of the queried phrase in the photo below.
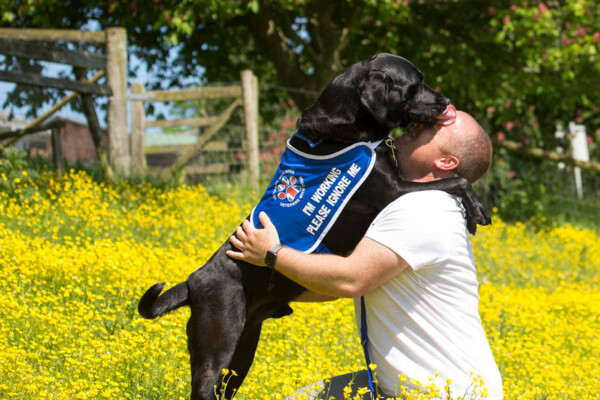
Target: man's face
(418, 148)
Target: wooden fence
(25, 43)
(244, 94)
(545, 155)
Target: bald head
(459, 146)
(471, 145)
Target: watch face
(271, 255)
(270, 259)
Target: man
(415, 269)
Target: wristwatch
(271, 255)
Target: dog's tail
(152, 305)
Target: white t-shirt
(425, 321)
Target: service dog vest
(308, 193)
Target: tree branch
(269, 36)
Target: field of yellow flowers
(75, 256)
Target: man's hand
(253, 243)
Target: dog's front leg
(385, 178)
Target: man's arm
(312, 297)
(369, 265)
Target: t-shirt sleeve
(417, 227)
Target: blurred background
(527, 70)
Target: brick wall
(76, 143)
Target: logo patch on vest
(308, 193)
(289, 189)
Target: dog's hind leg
(242, 358)
(214, 329)
(246, 348)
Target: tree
(520, 66)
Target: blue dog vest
(308, 193)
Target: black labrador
(230, 299)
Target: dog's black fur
(230, 299)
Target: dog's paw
(480, 216)
(484, 218)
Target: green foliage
(481, 54)
(540, 193)
(235, 190)
(518, 197)
(518, 66)
(17, 172)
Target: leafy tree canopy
(520, 66)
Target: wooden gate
(245, 94)
(22, 43)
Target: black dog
(229, 299)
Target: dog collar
(311, 142)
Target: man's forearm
(311, 297)
(325, 274)
(369, 265)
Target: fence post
(250, 97)
(57, 153)
(138, 119)
(116, 74)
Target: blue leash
(364, 337)
(364, 340)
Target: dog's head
(369, 99)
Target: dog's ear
(333, 115)
(374, 95)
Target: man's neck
(432, 176)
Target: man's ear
(447, 163)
